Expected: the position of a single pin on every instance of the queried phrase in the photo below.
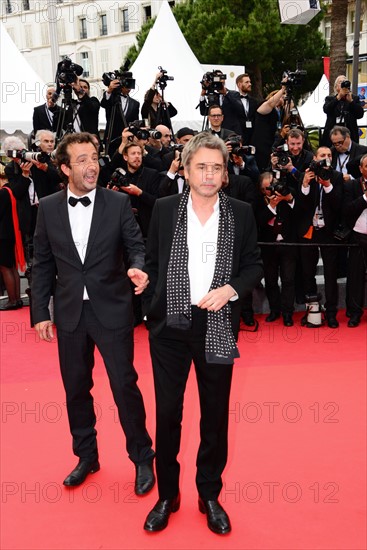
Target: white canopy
(311, 111)
(21, 87)
(167, 47)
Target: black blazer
(246, 270)
(334, 108)
(113, 231)
(88, 114)
(356, 152)
(235, 117)
(331, 205)
(354, 203)
(41, 120)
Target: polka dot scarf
(220, 344)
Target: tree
(338, 40)
(248, 33)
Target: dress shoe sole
(93, 471)
(215, 530)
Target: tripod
(116, 105)
(288, 113)
(67, 113)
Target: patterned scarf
(220, 344)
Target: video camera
(162, 81)
(212, 82)
(291, 79)
(124, 77)
(138, 130)
(281, 153)
(67, 72)
(321, 168)
(27, 156)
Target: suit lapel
(99, 206)
(63, 211)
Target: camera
(321, 168)
(124, 77)
(138, 130)
(238, 149)
(294, 78)
(282, 156)
(279, 187)
(162, 81)
(212, 82)
(67, 72)
(345, 84)
(27, 156)
(119, 178)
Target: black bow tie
(243, 96)
(84, 200)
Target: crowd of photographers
(300, 196)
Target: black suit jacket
(132, 113)
(88, 114)
(331, 205)
(113, 231)
(235, 117)
(356, 152)
(350, 112)
(41, 120)
(354, 204)
(246, 269)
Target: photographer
(275, 216)
(241, 159)
(342, 108)
(138, 134)
(346, 154)
(43, 115)
(139, 182)
(320, 200)
(212, 90)
(215, 116)
(121, 109)
(154, 109)
(31, 180)
(293, 159)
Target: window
(147, 13)
(83, 27)
(125, 20)
(45, 39)
(327, 28)
(61, 31)
(26, 5)
(105, 60)
(353, 21)
(85, 63)
(9, 6)
(103, 25)
(28, 36)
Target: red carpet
(296, 472)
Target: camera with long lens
(138, 130)
(239, 149)
(321, 168)
(346, 84)
(67, 72)
(119, 178)
(164, 78)
(282, 156)
(212, 82)
(124, 77)
(27, 156)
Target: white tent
(21, 88)
(167, 47)
(311, 111)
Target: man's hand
(44, 330)
(131, 189)
(26, 168)
(139, 278)
(113, 85)
(217, 298)
(40, 165)
(309, 175)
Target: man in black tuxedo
(43, 115)
(122, 108)
(202, 256)
(215, 116)
(320, 200)
(81, 234)
(346, 154)
(355, 216)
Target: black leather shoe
(332, 321)
(354, 321)
(157, 519)
(248, 319)
(9, 306)
(273, 316)
(144, 479)
(78, 475)
(287, 320)
(218, 520)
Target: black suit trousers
(280, 260)
(76, 355)
(356, 274)
(310, 257)
(172, 352)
